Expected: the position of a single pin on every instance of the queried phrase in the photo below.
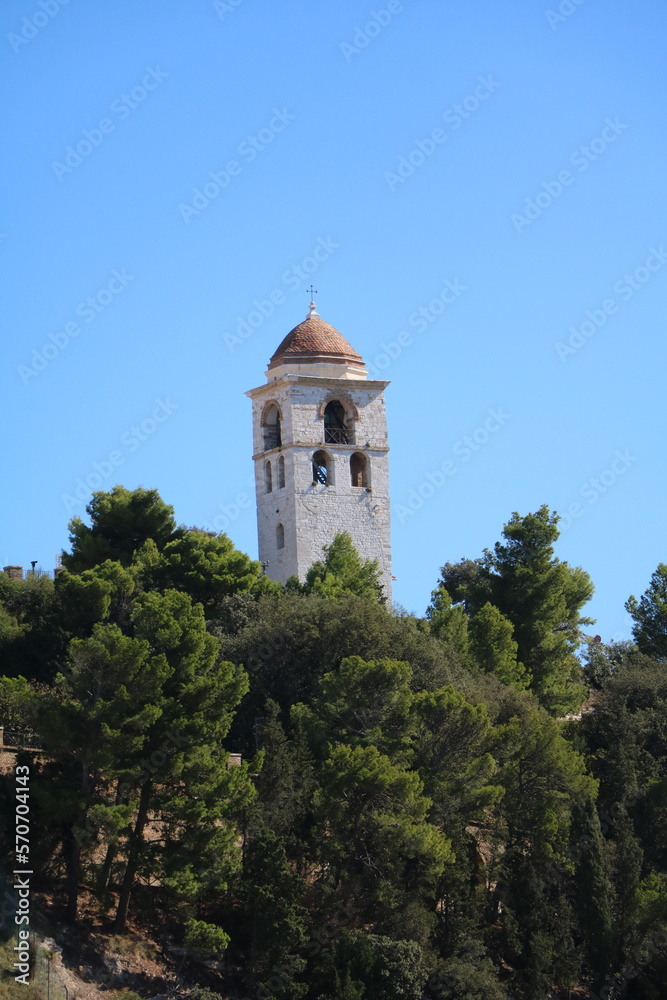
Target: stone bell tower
(321, 453)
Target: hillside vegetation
(415, 807)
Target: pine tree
(96, 724)
(493, 647)
(448, 623)
(363, 703)
(373, 833)
(208, 568)
(650, 616)
(272, 895)
(285, 783)
(121, 522)
(189, 784)
(592, 889)
(343, 571)
(541, 597)
(542, 777)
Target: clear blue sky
(486, 108)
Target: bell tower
(321, 453)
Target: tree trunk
(109, 858)
(103, 881)
(73, 864)
(73, 854)
(136, 840)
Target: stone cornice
(320, 446)
(343, 385)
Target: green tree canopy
(448, 622)
(137, 725)
(542, 775)
(362, 703)
(208, 568)
(650, 616)
(288, 642)
(408, 820)
(543, 778)
(626, 736)
(374, 834)
(363, 966)
(33, 640)
(541, 597)
(276, 928)
(342, 572)
(121, 521)
(451, 739)
(95, 724)
(493, 647)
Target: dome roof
(313, 342)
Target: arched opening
(281, 472)
(271, 427)
(268, 478)
(358, 469)
(321, 469)
(280, 537)
(336, 429)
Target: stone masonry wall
(311, 515)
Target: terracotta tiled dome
(313, 342)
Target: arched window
(321, 469)
(336, 429)
(268, 477)
(358, 469)
(280, 537)
(281, 472)
(271, 426)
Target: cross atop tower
(313, 307)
